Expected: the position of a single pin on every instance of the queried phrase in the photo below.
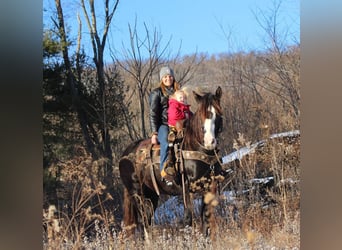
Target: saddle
(148, 154)
(147, 159)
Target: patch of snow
(240, 153)
(261, 180)
(172, 210)
(286, 134)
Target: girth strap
(154, 181)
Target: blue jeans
(163, 132)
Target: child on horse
(179, 111)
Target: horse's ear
(197, 96)
(218, 92)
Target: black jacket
(158, 108)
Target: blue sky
(198, 25)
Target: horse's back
(141, 144)
(140, 151)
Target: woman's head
(165, 71)
(167, 79)
(166, 76)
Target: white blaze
(209, 131)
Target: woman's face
(167, 80)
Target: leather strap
(197, 155)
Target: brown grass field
(258, 217)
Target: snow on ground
(172, 210)
(239, 154)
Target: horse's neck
(190, 142)
(191, 136)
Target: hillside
(260, 98)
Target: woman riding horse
(158, 114)
(198, 167)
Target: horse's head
(206, 123)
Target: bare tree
(261, 84)
(71, 79)
(98, 44)
(96, 94)
(141, 61)
(141, 69)
(279, 59)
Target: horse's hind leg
(134, 215)
(140, 212)
(151, 203)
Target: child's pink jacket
(177, 111)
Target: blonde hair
(186, 90)
(178, 93)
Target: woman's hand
(154, 139)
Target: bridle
(207, 156)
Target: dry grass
(174, 237)
(257, 100)
(266, 217)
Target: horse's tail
(127, 172)
(134, 217)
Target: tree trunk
(71, 82)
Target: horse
(197, 163)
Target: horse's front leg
(188, 210)
(188, 206)
(208, 207)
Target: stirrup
(180, 134)
(171, 137)
(165, 177)
(170, 171)
(169, 168)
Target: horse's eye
(203, 129)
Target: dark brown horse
(197, 163)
